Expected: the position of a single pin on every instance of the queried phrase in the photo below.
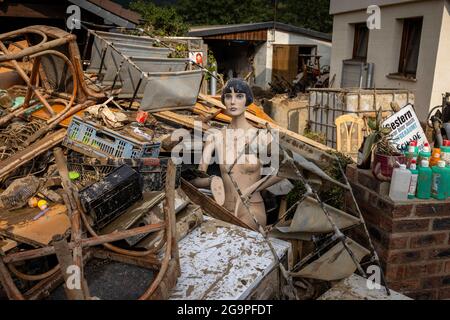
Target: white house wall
(384, 48)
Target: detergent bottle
(435, 157)
(425, 154)
(424, 180)
(445, 152)
(401, 178)
(412, 153)
(413, 181)
(440, 184)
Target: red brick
(368, 181)
(405, 285)
(436, 282)
(405, 256)
(422, 269)
(432, 210)
(441, 224)
(402, 211)
(444, 293)
(428, 240)
(386, 206)
(398, 243)
(410, 225)
(440, 253)
(423, 294)
(447, 267)
(394, 273)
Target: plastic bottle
(445, 152)
(435, 157)
(412, 153)
(425, 154)
(440, 185)
(401, 178)
(413, 181)
(424, 180)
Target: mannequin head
(236, 96)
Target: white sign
(405, 128)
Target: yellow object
(42, 204)
(33, 202)
(435, 157)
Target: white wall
(384, 48)
(265, 52)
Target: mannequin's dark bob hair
(239, 86)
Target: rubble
(95, 146)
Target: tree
(160, 20)
(211, 12)
(311, 14)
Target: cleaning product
(424, 180)
(440, 185)
(412, 153)
(413, 181)
(445, 152)
(401, 178)
(425, 154)
(435, 157)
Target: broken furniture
(223, 261)
(121, 63)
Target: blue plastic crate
(93, 140)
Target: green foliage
(312, 14)
(160, 20)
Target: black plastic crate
(106, 199)
(91, 170)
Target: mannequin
(240, 168)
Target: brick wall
(411, 237)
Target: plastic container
(425, 154)
(440, 185)
(435, 157)
(90, 170)
(97, 141)
(401, 179)
(412, 153)
(445, 152)
(424, 181)
(413, 181)
(110, 197)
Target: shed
(261, 51)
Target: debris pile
(86, 170)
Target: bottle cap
(403, 166)
(446, 143)
(426, 147)
(425, 163)
(413, 165)
(441, 164)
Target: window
(409, 52)
(361, 42)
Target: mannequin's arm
(204, 163)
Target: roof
(205, 31)
(110, 11)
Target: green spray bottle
(424, 181)
(440, 184)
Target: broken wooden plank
(210, 206)
(182, 120)
(20, 158)
(20, 226)
(188, 219)
(7, 244)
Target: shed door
(285, 62)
